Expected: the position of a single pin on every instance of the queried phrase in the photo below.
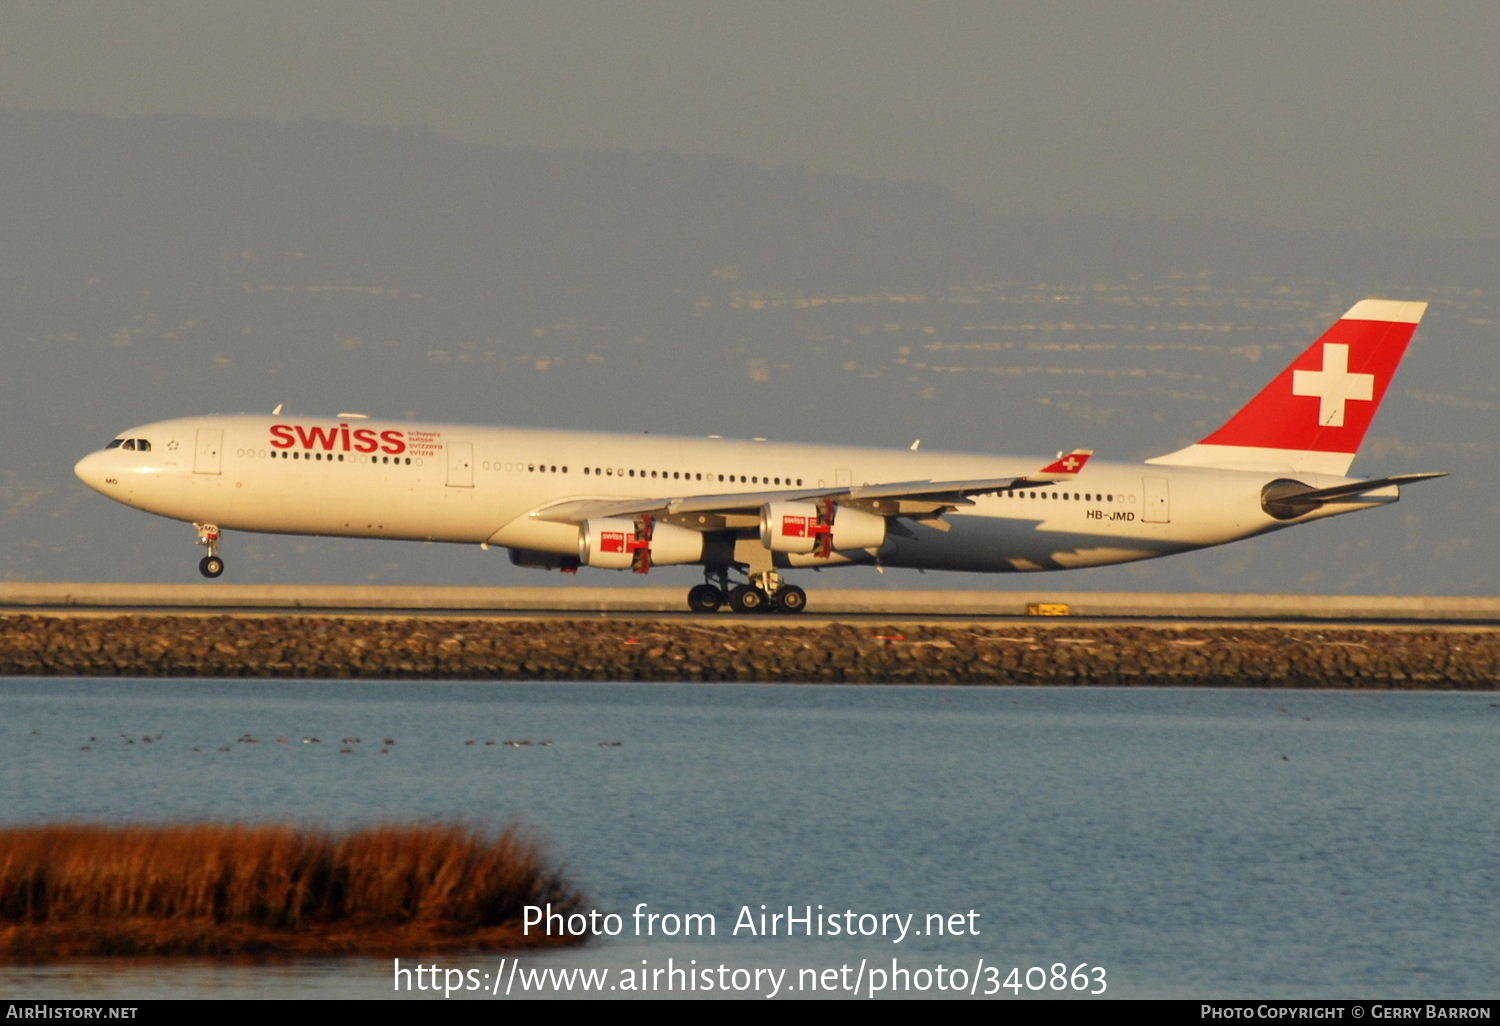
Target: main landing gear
(208, 536)
(766, 593)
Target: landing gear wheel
(705, 598)
(746, 599)
(791, 599)
(210, 566)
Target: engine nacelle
(799, 527)
(615, 543)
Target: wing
(897, 498)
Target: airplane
(561, 500)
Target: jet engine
(819, 527)
(615, 543)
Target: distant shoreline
(1037, 652)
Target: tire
(210, 566)
(745, 599)
(705, 598)
(791, 599)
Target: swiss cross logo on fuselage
(1334, 385)
(340, 438)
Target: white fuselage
(357, 477)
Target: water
(1192, 843)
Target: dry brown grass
(229, 889)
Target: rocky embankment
(1024, 653)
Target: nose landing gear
(208, 536)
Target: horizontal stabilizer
(1287, 500)
(1360, 487)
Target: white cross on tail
(1333, 385)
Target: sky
(1366, 115)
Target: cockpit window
(142, 445)
(132, 444)
(115, 443)
(129, 444)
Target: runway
(824, 605)
(645, 633)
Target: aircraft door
(206, 458)
(460, 464)
(1156, 504)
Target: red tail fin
(1314, 415)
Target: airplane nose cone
(90, 470)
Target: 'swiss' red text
(341, 438)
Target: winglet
(1064, 468)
